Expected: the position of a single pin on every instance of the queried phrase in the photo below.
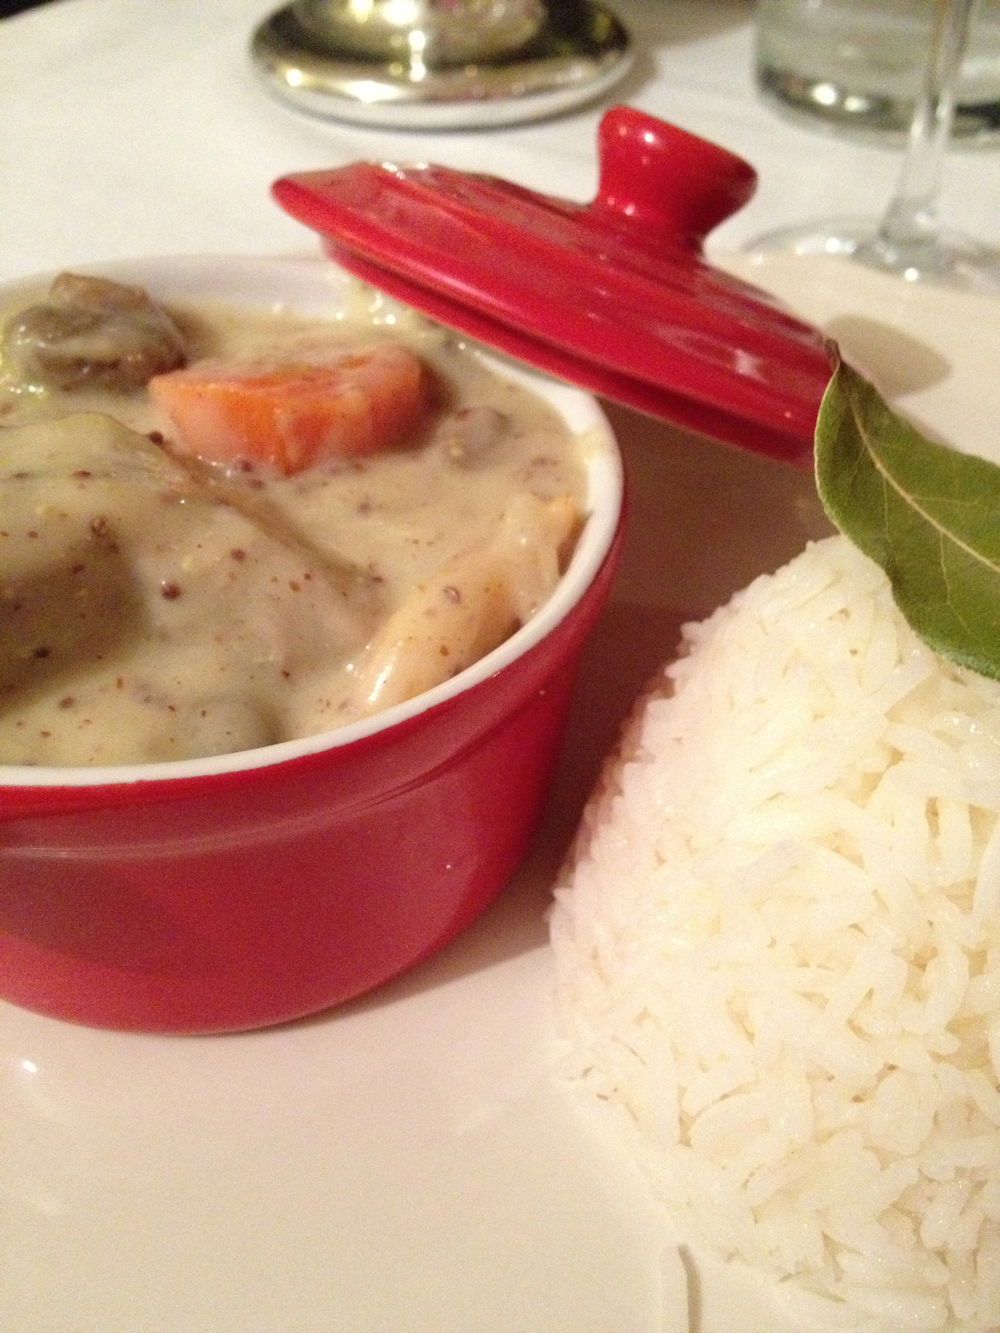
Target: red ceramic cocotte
(251, 897)
(247, 890)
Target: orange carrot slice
(289, 417)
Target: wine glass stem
(910, 221)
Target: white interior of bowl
(314, 285)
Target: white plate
(412, 1163)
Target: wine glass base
(948, 258)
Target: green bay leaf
(928, 514)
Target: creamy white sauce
(154, 609)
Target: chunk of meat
(91, 331)
(290, 417)
(146, 616)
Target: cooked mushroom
(91, 331)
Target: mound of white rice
(777, 950)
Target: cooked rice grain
(777, 950)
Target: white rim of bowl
(290, 283)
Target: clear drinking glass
(908, 239)
(853, 64)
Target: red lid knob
(671, 184)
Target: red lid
(614, 295)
